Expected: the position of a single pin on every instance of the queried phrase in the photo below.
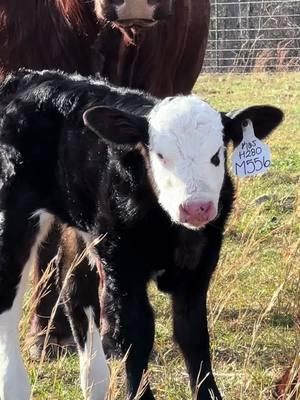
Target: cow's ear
(264, 119)
(116, 126)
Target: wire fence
(257, 35)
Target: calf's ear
(264, 119)
(116, 126)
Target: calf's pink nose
(197, 213)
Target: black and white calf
(149, 174)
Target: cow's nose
(197, 213)
(129, 10)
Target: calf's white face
(187, 159)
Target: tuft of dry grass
(254, 299)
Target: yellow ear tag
(252, 156)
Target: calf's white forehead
(185, 121)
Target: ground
(254, 299)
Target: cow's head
(134, 12)
(185, 141)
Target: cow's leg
(21, 233)
(191, 333)
(128, 327)
(80, 295)
(45, 298)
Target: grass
(254, 299)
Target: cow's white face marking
(135, 9)
(186, 156)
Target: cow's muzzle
(142, 12)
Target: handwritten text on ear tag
(251, 156)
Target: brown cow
(157, 46)
(143, 50)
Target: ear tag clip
(252, 156)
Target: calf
(134, 43)
(148, 174)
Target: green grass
(254, 298)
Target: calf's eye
(215, 160)
(160, 156)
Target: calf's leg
(21, 233)
(44, 300)
(80, 295)
(191, 334)
(129, 328)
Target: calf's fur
(96, 179)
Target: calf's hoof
(54, 348)
(145, 396)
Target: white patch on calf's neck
(94, 372)
(14, 383)
(187, 132)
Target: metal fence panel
(254, 35)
